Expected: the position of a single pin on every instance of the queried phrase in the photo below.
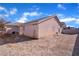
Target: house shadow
(76, 47)
(8, 38)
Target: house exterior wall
(10, 29)
(47, 28)
(43, 29)
(21, 30)
(31, 30)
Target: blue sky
(24, 12)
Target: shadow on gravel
(76, 47)
(8, 38)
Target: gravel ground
(61, 45)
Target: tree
(2, 24)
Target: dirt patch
(48, 46)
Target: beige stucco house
(43, 27)
(10, 28)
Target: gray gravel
(48, 46)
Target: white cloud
(32, 13)
(68, 19)
(48, 14)
(5, 10)
(37, 9)
(2, 8)
(61, 15)
(24, 17)
(77, 21)
(65, 19)
(1, 15)
(34, 8)
(22, 20)
(6, 15)
(61, 6)
(26, 14)
(70, 26)
(13, 11)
